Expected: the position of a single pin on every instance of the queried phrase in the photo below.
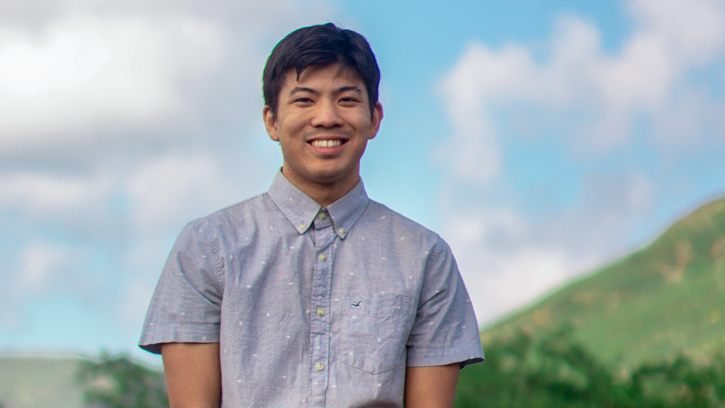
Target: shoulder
(243, 213)
(225, 226)
(380, 213)
(402, 228)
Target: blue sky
(540, 139)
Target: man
(312, 294)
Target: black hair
(320, 45)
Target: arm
(431, 387)
(193, 374)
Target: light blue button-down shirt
(314, 306)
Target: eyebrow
(349, 88)
(299, 89)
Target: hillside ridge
(664, 297)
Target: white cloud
(170, 188)
(153, 200)
(500, 264)
(508, 259)
(640, 193)
(582, 80)
(38, 262)
(466, 89)
(135, 300)
(83, 71)
(66, 60)
(692, 29)
(580, 96)
(120, 122)
(40, 267)
(501, 278)
(39, 193)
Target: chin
(327, 176)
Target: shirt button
(302, 226)
(341, 230)
(319, 366)
(322, 257)
(320, 311)
(321, 216)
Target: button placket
(320, 320)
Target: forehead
(323, 76)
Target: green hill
(664, 299)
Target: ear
(375, 120)
(270, 123)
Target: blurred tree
(556, 371)
(681, 383)
(119, 382)
(552, 372)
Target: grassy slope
(39, 382)
(663, 299)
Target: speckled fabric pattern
(313, 306)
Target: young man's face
(323, 123)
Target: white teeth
(326, 143)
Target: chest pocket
(375, 331)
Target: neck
(324, 193)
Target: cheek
(363, 123)
(295, 120)
(293, 132)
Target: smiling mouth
(327, 143)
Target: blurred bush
(119, 382)
(556, 371)
(552, 370)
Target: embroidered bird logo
(356, 304)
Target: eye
(303, 100)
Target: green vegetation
(665, 299)
(119, 382)
(646, 331)
(76, 382)
(39, 381)
(555, 371)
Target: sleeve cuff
(153, 336)
(424, 357)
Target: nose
(326, 115)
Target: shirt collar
(301, 210)
(348, 209)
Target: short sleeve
(445, 329)
(186, 304)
